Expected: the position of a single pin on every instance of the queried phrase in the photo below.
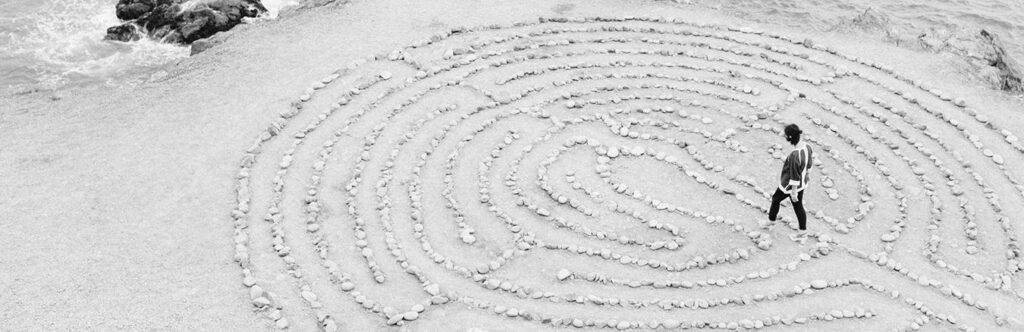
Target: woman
(794, 178)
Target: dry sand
(121, 210)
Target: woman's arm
(788, 167)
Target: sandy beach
(122, 207)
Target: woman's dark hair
(792, 134)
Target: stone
(563, 274)
(432, 289)
(256, 292)
(612, 152)
(330, 325)
(249, 281)
(261, 302)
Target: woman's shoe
(800, 236)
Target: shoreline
(970, 49)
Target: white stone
(563, 274)
(433, 289)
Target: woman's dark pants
(798, 207)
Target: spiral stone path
(614, 173)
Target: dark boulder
(125, 32)
(180, 21)
(1011, 76)
(131, 11)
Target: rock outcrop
(179, 21)
(1010, 75)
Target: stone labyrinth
(614, 173)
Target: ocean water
(50, 44)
